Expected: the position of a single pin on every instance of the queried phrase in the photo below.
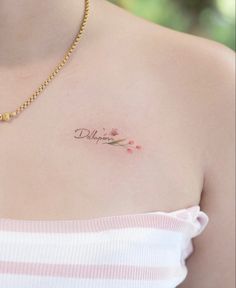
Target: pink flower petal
(114, 132)
(138, 147)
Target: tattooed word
(91, 135)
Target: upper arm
(212, 263)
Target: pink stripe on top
(91, 271)
(146, 248)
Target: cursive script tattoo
(82, 133)
(109, 138)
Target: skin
(170, 92)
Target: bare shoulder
(189, 59)
(197, 71)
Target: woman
(139, 120)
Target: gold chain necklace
(7, 116)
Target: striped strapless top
(145, 250)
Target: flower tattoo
(109, 138)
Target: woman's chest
(98, 157)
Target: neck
(37, 29)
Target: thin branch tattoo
(109, 138)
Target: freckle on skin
(130, 151)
